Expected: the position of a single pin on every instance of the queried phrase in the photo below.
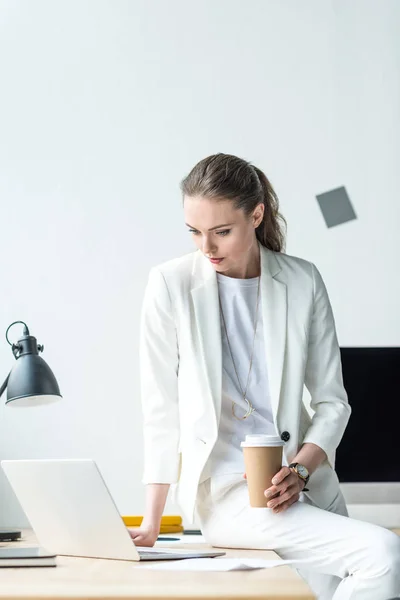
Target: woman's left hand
(288, 485)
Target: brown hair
(225, 177)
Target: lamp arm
(3, 387)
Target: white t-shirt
(239, 301)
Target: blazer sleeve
(159, 365)
(323, 376)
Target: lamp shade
(31, 382)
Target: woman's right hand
(145, 535)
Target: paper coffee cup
(262, 459)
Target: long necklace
(250, 409)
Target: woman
(226, 348)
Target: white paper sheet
(219, 564)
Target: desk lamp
(30, 383)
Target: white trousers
(348, 559)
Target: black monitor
(370, 447)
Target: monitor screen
(370, 447)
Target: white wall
(104, 107)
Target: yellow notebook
(136, 520)
(171, 529)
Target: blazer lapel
(207, 315)
(274, 311)
(273, 304)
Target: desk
(87, 578)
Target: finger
(273, 492)
(289, 481)
(280, 482)
(286, 504)
(281, 475)
(278, 490)
(245, 476)
(286, 484)
(282, 498)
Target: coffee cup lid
(258, 439)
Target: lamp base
(9, 535)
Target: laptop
(72, 513)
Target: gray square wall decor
(336, 207)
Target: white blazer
(181, 369)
